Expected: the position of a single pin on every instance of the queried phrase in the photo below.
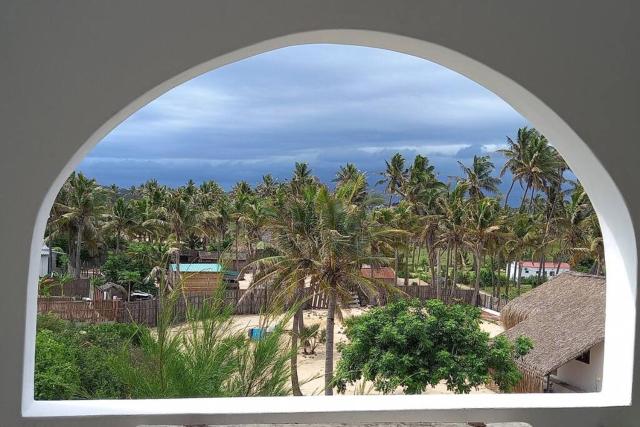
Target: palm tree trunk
(519, 278)
(76, 272)
(235, 261)
(432, 253)
(541, 270)
(406, 264)
(524, 196)
(328, 362)
(395, 269)
(493, 281)
(508, 278)
(455, 269)
(446, 273)
(476, 288)
(295, 383)
(506, 198)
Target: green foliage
(75, 361)
(130, 268)
(206, 358)
(56, 374)
(413, 345)
(311, 336)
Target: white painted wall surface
(70, 71)
(587, 377)
(533, 271)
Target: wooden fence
(77, 288)
(146, 312)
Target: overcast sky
(321, 104)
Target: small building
(384, 274)
(227, 258)
(201, 278)
(110, 291)
(47, 261)
(526, 269)
(564, 318)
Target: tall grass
(206, 357)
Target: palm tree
(453, 231)
(83, 204)
(515, 154)
(302, 177)
(478, 178)
(344, 244)
(482, 223)
(346, 174)
(521, 234)
(241, 198)
(540, 167)
(294, 236)
(268, 186)
(119, 220)
(394, 176)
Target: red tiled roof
(379, 272)
(547, 265)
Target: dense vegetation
(76, 361)
(204, 358)
(464, 231)
(413, 345)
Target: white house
(47, 260)
(531, 268)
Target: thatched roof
(564, 317)
(109, 285)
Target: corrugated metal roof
(547, 265)
(378, 272)
(198, 268)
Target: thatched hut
(564, 318)
(109, 291)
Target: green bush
(413, 345)
(76, 361)
(56, 375)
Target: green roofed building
(201, 279)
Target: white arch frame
(620, 251)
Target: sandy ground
(311, 367)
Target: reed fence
(146, 311)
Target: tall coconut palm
(478, 178)
(346, 173)
(302, 177)
(344, 246)
(515, 155)
(453, 231)
(119, 220)
(394, 176)
(294, 236)
(83, 205)
(482, 222)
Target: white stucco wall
(533, 271)
(587, 377)
(70, 71)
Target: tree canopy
(414, 345)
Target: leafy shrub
(51, 322)
(311, 336)
(76, 361)
(413, 345)
(56, 374)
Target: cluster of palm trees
(323, 234)
(467, 222)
